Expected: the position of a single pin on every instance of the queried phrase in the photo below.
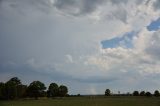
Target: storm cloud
(60, 41)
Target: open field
(87, 101)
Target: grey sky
(60, 41)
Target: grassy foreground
(87, 101)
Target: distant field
(87, 101)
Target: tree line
(135, 93)
(14, 89)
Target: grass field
(87, 101)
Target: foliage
(2, 90)
(63, 90)
(148, 94)
(15, 80)
(22, 91)
(35, 89)
(14, 89)
(135, 93)
(107, 92)
(52, 90)
(142, 93)
(156, 93)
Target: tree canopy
(35, 89)
(156, 93)
(135, 93)
(107, 92)
(142, 93)
(63, 90)
(53, 90)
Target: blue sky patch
(154, 25)
(124, 41)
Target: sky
(87, 45)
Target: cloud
(153, 47)
(156, 4)
(118, 2)
(23, 7)
(101, 9)
(61, 41)
(78, 7)
(143, 55)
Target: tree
(20, 88)
(148, 94)
(156, 93)
(62, 91)
(22, 91)
(107, 92)
(12, 88)
(135, 93)
(52, 90)
(35, 89)
(11, 91)
(16, 81)
(142, 93)
(2, 90)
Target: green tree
(16, 81)
(22, 91)
(53, 90)
(148, 94)
(62, 91)
(35, 89)
(2, 90)
(107, 92)
(11, 91)
(12, 86)
(135, 93)
(142, 93)
(156, 93)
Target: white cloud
(143, 58)
(64, 36)
(69, 58)
(153, 47)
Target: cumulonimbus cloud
(63, 37)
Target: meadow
(86, 101)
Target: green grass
(87, 101)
